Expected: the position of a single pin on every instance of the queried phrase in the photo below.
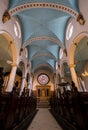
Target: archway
(78, 57)
(12, 60)
(8, 56)
(81, 62)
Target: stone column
(62, 74)
(57, 80)
(74, 76)
(30, 92)
(12, 78)
(23, 84)
(56, 75)
(30, 86)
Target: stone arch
(43, 5)
(57, 41)
(14, 62)
(72, 63)
(73, 47)
(13, 46)
(44, 38)
(43, 54)
(50, 69)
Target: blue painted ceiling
(39, 22)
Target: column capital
(81, 19)
(72, 65)
(23, 77)
(14, 65)
(6, 17)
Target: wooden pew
(14, 110)
(4, 108)
(10, 120)
(72, 108)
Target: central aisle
(44, 121)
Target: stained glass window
(43, 79)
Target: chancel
(43, 65)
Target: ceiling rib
(44, 38)
(41, 55)
(43, 5)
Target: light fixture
(85, 74)
(9, 62)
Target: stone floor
(44, 121)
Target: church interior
(43, 65)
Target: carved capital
(14, 65)
(23, 77)
(72, 65)
(80, 19)
(6, 17)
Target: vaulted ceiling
(43, 25)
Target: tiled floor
(44, 121)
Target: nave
(44, 121)
(43, 61)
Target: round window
(43, 79)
